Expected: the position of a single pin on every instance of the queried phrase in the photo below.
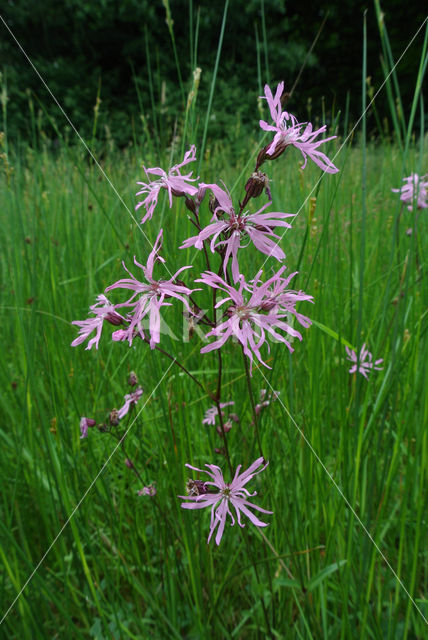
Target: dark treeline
(122, 51)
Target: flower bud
(190, 205)
(132, 379)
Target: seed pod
(255, 184)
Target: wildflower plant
(247, 312)
(414, 191)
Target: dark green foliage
(81, 48)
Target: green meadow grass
(345, 555)
(348, 463)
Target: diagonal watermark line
(348, 504)
(367, 532)
(281, 237)
(348, 136)
(38, 565)
(24, 53)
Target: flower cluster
(255, 310)
(251, 310)
(212, 413)
(415, 190)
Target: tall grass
(345, 553)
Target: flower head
(102, 310)
(224, 496)
(212, 413)
(363, 363)
(414, 190)
(235, 229)
(85, 423)
(290, 132)
(131, 399)
(173, 181)
(255, 310)
(148, 298)
(150, 491)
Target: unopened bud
(129, 463)
(190, 205)
(132, 379)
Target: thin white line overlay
(348, 504)
(78, 135)
(82, 499)
(347, 138)
(169, 367)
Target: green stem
(253, 406)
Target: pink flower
(212, 413)
(102, 310)
(415, 189)
(148, 298)
(289, 131)
(150, 490)
(131, 399)
(173, 181)
(229, 495)
(237, 228)
(86, 423)
(363, 363)
(254, 311)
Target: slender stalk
(253, 406)
(220, 415)
(182, 367)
